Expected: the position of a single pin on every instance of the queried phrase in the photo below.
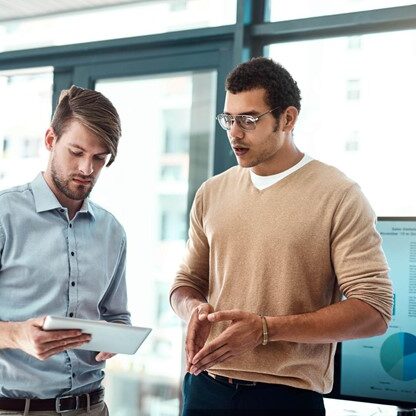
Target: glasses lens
(225, 121)
(246, 122)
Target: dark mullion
(255, 45)
(83, 52)
(249, 13)
(62, 80)
(242, 19)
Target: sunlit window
(358, 111)
(134, 19)
(298, 9)
(147, 189)
(25, 108)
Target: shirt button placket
(73, 271)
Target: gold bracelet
(265, 330)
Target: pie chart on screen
(398, 356)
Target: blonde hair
(92, 110)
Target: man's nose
(235, 131)
(86, 166)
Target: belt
(234, 381)
(59, 405)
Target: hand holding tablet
(105, 336)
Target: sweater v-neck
(280, 183)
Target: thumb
(39, 321)
(203, 311)
(229, 315)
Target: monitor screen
(382, 369)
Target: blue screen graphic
(384, 367)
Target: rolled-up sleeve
(194, 269)
(358, 259)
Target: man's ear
(289, 118)
(50, 138)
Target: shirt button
(70, 225)
(72, 253)
(61, 210)
(71, 314)
(72, 283)
(73, 375)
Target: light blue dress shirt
(50, 265)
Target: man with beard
(273, 244)
(61, 254)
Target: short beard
(63, 186)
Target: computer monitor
(382, 369)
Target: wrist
(9, 334)
(14, 334)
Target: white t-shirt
(262, 182)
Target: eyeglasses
(246, 122)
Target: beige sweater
(291, 248)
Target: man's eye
(100, 157)
(247, 120)
(75, 153)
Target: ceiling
(21, 9)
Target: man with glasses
(61, 254)
(273, 245)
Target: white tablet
(105, 336)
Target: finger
(224, 316)
(48, 336)
(209, 349)
(53, 351)
(189, 357)
(203, 311)
(190, 347)
(194, 349)
(102, 356)
(39, 321)
(213, 363)
(219, 356)
(65, 343)
(190, 342)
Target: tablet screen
(105, 336)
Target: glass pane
(298, 9)
(116, 22)
(358, 111)
(25, 108)
(165, 119)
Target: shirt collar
(45, 199)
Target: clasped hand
(243, 334)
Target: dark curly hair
(281, 89)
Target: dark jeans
(205, 396)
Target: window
(121, 21)
(298, 9)
(358, 110)
(25, 108)
(147, 189)
(353, 89)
